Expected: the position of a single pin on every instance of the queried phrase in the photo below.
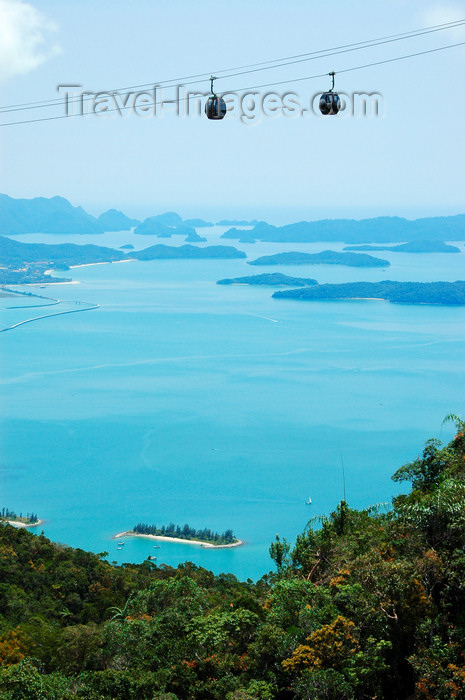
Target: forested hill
(13, 253)
(325, 257)
(384, 229)
(366, 604)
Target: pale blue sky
(410, 162)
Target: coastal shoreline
(18, 523)
(179, 540)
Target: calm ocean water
(180, 400)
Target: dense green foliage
(366, 604)
(447, 293)
(186, 532)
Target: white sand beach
(162, 538)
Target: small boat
(152, 558)
(156, 546)
(119, 548)
(120, 544)
(309, 502)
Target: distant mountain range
(58, 215)
(384, 229)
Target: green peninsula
(326, 257)
(28, 263)
(273, 279)
(187, 252)
(444, 293)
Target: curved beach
(162, 538)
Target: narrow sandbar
(179, 540)
(18, 523)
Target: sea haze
(183, 400)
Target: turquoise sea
(181, 400)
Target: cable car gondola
(215, 107)
(330, 102)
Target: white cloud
(442, 13)
(25, 38)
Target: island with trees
(10, 517)
(364, 603)
(187, 252)
(205, 536)
(326, 257)
(410, 247)
(272, 279)
(443, 293)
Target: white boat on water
(309, 502)
(120, 544)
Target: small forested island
(187, 252)
(411, 247)
(444, 293)
(326, 257)
(186, 533)
(365, 603)
(10, 517)
(195, 238)
(272, 279)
